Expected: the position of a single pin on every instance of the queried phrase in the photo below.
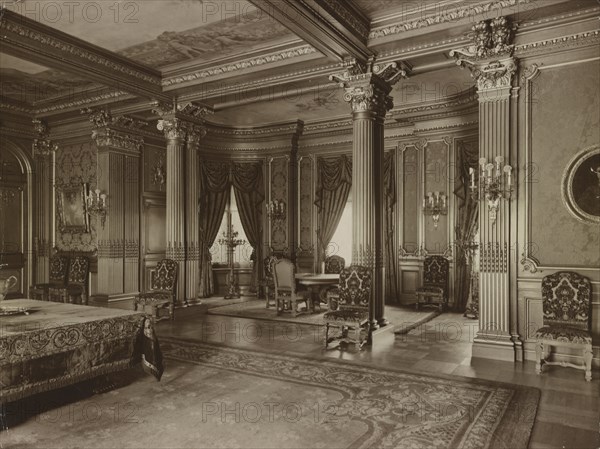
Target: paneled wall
(560, 103)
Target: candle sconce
(495, 183)
(435, 204)
(276, 210)
(96, 205)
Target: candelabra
(495, 183)
(96, 205)
(276, 210)
(230, 240)
(435, 204)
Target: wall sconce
(495, 183)
(276, 210)
(96, 205)
(435, 204)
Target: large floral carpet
(403, 318)
(221, 397)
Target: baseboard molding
(497, 350)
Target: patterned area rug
(403, 318)
(218, 397)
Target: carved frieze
(113, 139)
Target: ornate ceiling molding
(34, 41)
(239, 65)
(586, 38)
(467, 10)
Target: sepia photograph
(300, 224)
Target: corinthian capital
(174, 129)
(195, 134)
(367, 87)
(42, 146)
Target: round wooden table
(318, 284)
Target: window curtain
(391, 263)
(467, 220)
(214, 191)
(249, 189)
(334, 181)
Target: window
(242, 253)
(341, 242)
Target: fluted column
(493, 68)
(367, 90)
(175, 133)
(44, 151)
(192, 232)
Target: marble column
(367, 90)
(192, 232)
(44, 151)
(175, 133)
(493, 68)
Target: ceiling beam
(35, 42)
(338, 29)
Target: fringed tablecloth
(61, 344)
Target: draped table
(57, 344)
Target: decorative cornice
(293, 128)
(107, 137)
(101, 118)
(115, 95)
(469, 10)
(239, 65)
(44, 39)
(586, 38)
(466, 97)
(360, 27)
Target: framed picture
(581, 185)
(71, 208)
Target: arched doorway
(15, 217)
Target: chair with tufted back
(163, 290)
(353, 314)
(566, 304)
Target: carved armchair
(352, 317)
(76, 290)
(334, 264)
(59, 268)
(163, 291)
(566, 304)
(287, 296)
(434, 291)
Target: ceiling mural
(216, 40)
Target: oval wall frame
(581, 185)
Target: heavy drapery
(467, 157)
(391, 263)
(249, 189)
(215, 183)
(334, 181)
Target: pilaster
(44, 151)
(493, 68)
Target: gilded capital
(367, 87)
(195, 134)
(42, 146)
(174, 128)
(489, 57)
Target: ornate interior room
(300, 223)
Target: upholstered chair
(352, 318)
(287, 296)
(163, 291)
(333, 264)
(434, 291)
(566, 305)
(59, 268)
(76, 290)
(267, 283)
